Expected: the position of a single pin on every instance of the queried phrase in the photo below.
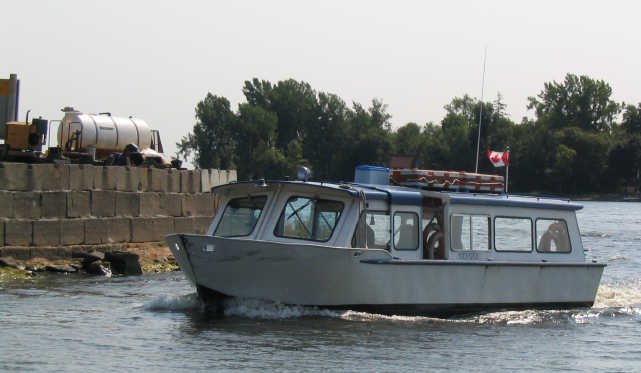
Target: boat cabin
(411, 224)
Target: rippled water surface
(154, 323)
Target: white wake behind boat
(389, 249)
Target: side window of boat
(308, 219)
(470, 232)
(552, 236)
(512, 234)
(373, 227)
(378, 228)
(405, 231)
(240, 216)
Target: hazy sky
(156, 60)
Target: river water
(154, 323)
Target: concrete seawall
(47, 205)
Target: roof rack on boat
(447, 180)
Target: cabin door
(406, 232)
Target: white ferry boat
(420, 249)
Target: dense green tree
(632, 119)
(294, 158)
(575, 160)
(463, 107)
(408, 140)
(574, 129)
(325, 137)
(573, 145)
(461, 124)
(562, 169)
(460, 136)
(368, 138)
(212, 142)
(258, 93)
(499, 106)
(256, 131)
(579, 101)
(527, 160)
(435, 153)
(294, 103)
(624, 163)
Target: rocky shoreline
(101, 260)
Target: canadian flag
(498, 159)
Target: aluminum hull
(371, 280)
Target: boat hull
(371, 280)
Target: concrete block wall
(18, 232)
(211, 178)
(88, 231)
(53, 204)
(26, 177)
(73, 232)
(103, 204)
(50, 205)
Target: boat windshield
(240, 216)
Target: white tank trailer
(79, 132)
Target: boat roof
(397, 194)
(513, 201)
(344, 187)
(413, 196)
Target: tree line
(580, 140)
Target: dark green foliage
(577, 102)
(284, 126)
(573, 145)
(325, 136)
(212, 140)
(256, 131)
(624, 162)
(632, 119)
(368, 139)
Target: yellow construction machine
(24, 140)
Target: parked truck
(82, 137)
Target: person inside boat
(555, 238)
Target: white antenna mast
(478, 140)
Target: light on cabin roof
(304, 173)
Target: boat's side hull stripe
(477, 263)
